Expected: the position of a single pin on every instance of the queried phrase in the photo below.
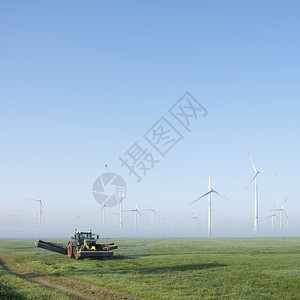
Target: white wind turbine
(136, 213)
(35, 218)
(235, 225)
(210, 191)
(160, 219)
(77, 217)
(287, 224)
(116, 220)
(120, 193)
(281, 210)
(153, 215)
(103, 213)
(120, 212)
(195, 219)
(255, 177)
(40, 208)
(272, 216)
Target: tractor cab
(81, 236)
(86, 240)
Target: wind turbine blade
(201, 197)
(139, 203)
(32, 199)
(137, 206)
(251, 180)
(15, 216)
(140, 214)
(284, 203)
(221, 195)
(276, 217)
(264, 173)
(209, 179)
(190, 214)
(252, 163)
(268, 217)
(285, 213)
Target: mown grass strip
(17, 288)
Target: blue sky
(81, 82)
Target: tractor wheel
(77, 254)
(70, 251)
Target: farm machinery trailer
(81, 245)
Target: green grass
(264, 268)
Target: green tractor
(84, 244)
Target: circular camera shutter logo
(109, 189)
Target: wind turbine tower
(153, 216)
(272, 216)
(120, 213)
(160, 218)
(195, 218)
(103, 214)
(255, 177)
(210, 191)
(281, 210)
(120, 193)
(137, 212)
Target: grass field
(263, 268)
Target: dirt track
(75, 288)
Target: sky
(82, 82)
